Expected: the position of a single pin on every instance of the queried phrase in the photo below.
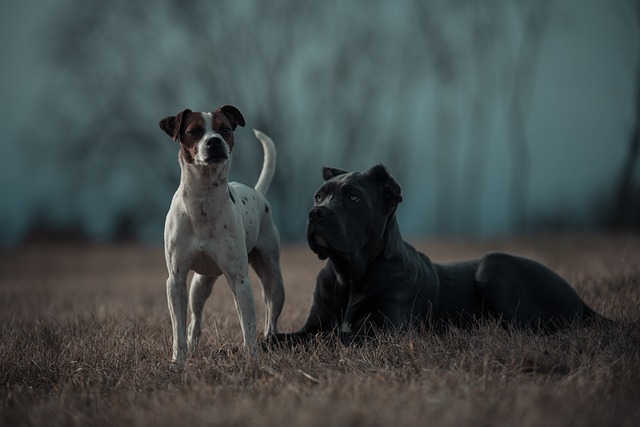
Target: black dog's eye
(354, 198)
(225, 131)
(317, 198)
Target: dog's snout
(214, 141)
(318, 213)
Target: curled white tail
(269, 164)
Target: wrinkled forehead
(349, 182)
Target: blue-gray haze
(496, 117)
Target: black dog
(374, 280)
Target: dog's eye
(354, 198)
(196, 133)
(317, 198)
(226, 130)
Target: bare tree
(486, 31)
(536, 16)
(413, 87)
(626, 212)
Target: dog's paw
(176, 367)
(286, 340)
(274, 341)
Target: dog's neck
(391, 238)
(203, 185)
(352, 272)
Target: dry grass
(86, 341)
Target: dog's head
(351, 211)
(205, 138)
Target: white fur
(211, 228)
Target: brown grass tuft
(86, 341)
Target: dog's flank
(208, 231)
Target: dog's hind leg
(267, 266)
(526, 292)
(201, 287)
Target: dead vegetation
(86, 341)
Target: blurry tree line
(349, 84)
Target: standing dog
(374, 280)
(215, 227)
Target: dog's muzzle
(317, 242)
(215, 150)
(322, 235)
(318, 214)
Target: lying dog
(373, 280)
(215, 227)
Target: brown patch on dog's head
(189, 128)
(233, 115)
(171, 125)
(186, 127)
(225, 120)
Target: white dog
(215, 227)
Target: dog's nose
(213, 141)
(317, 214)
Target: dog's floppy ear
(172, 124)
(391, 191)
(328, 173)
(233, 115)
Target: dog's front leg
(243, 298)
(177, 299)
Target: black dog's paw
(276, 341)
(287, 340)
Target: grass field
(85, 340)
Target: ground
(85, 340)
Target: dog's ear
(171, 125)
(233, 115)
(391, 190)
(328, 173)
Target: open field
(85, 340)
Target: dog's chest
(204, 263)
(217, 234)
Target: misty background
(496, 117)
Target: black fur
(375, 280)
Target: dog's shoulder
(238, 191)
(248, 200)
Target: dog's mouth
(321, 247)
(215, 158)
(214, 155)
(321, 241)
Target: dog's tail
(269, 164)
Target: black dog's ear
(172, 124)
(328, 173)
(233, 115)
(391, 191)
